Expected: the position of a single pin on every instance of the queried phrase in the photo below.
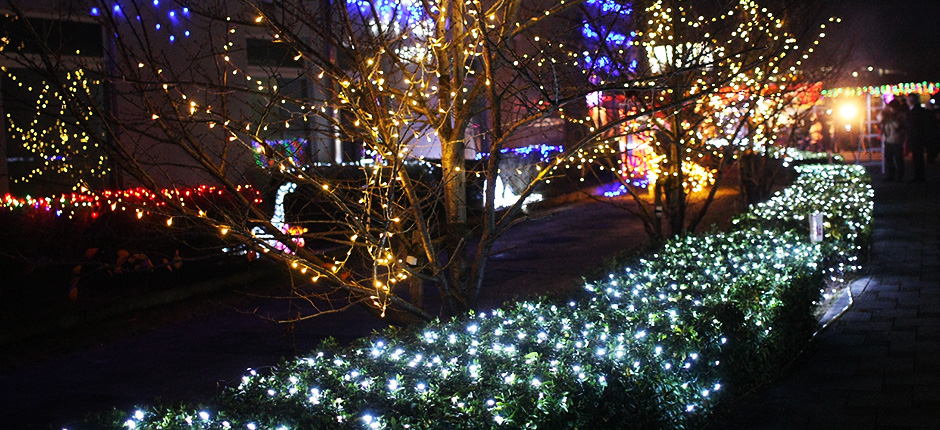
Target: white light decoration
(505, 197)
(278, 220)
(662, 57)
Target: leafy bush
(842, 193)
(653, 345)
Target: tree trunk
(450, 70)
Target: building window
(59, 36)
(269, 53)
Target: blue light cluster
(390, 10)
(172, 15)
(619, 190)
(604, 63)
(595, 34)
(611, 37)
(546, 151)
(611, 6)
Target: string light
(878, 91)
(87, 203)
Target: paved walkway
(878, 367)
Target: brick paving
(878, 366)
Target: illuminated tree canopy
(378, 132)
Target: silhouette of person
(893, 132)
(933, 133)
(918, 134)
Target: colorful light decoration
(626, 328)
(388, 16)
(535, 356)
(278, 220)
(142, 200)
(882, 90)
(289, 150)
(753, 95)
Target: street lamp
(848, 111)
(851, 114)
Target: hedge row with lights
(842, 193)
(654, 345)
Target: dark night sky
(900, 35)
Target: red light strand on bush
(94, 203)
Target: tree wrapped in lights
(738, 72)
(363, 118)
(51, 151)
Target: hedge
(656, 345)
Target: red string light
(98, 202)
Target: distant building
(140, 64)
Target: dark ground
(878, 366)
(189, 350)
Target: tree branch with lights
(360, 123)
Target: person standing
(933, 133)
(893, 132)
(918, 131)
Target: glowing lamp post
(848, 112)
(850, 115)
